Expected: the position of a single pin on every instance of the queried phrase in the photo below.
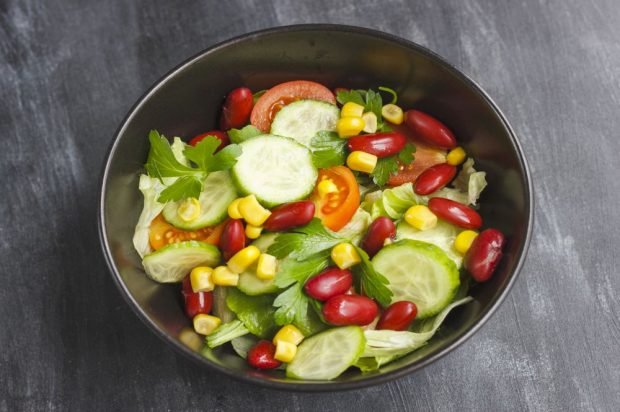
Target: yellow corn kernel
(370, 122)
(285, 351)
(349, 126)
(205, 324)
(456, 156)
(223, 276)
(344, 255)
(253, 232)
(351, 109)
(233, 209)
(362, 161)
(463, 241)
(392, 113)
(326, 187)
(420, 217)
(290, 334)
(266, 267)
(252, 211)
(201, 279)
(191, 339)
(189, 209)
(243, 259)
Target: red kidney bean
(398, 316)
(232, 239)
(329, 283)
(345, 310)
(261, 355)
(222, 136)
(237, 108)
(290, 215)
(378, 144)
(382, 228)
(455, 213)
(484, 254)
(195, 302)
(429, 129)
(434, 178)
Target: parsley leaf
(256, 312)
(202, 153)
(291, 270)
(241, 135)
(303, 242)
(328, 150)
(373, 283)
(405, 156)
(374, 103)
(293, 307)
(345, 96)
(161, 161)
(182, 188)
(388, 166)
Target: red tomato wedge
(279, 96)
(425, 157)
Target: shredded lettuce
(226, 332)
(357, 226)
(470, 181)
(383, 346)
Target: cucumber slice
(442, 235)
(326, 355)
(248, 282)
(276, 169)
(218, 192)
(301, 120)
(172, 263)
(419, 272)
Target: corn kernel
(362, 161)
(223, 276)
(253, 232)
(267, 266)
(290, 334)
(463, 241)
(205, 324)
(233, 209)
(243, 259)
(200, 278)
(252, 211)
(370, 122)
(351, 109)
(456, 156)
(326, 187)
(285, 351)
(189, 209)
(392, 113)
(191, 339)
(420, 217)
(344, 255)
(349, 126)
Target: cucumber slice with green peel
(301, 120)
(442, 235)
(172, 263)
(275, 169)
(264, 241)
(248, 282)
(326, 355)
(419, 272)
(218, 192)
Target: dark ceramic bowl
(187, 101)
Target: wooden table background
(69, 71)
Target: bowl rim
(326, 386)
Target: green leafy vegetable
(388, 166)
(256, 312)
(162, 163)
(390, 91)
(241, 135)
(293, 307)
(373, 283)
(355, 96)
(405, 156)
(328, 150)
(303, 242)
(226, 332)
(291, 270)
(370, 99)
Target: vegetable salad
(315, 231)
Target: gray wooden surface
(69, 71)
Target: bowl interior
(187, 101)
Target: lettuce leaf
(356, 228)
(256, 312)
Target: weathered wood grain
(70, 70)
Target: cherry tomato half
(336, 209)
(284, 93)
(162, 233)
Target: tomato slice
(336, 209)
(425, 157)
(162, 233)
(279, 96)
